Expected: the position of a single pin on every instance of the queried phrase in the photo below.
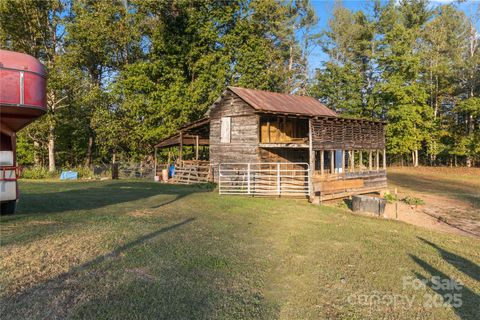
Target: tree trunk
(88, 163)
(51, 149)
(290, 72)
(36, 156)
(415, 158)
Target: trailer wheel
(8, 207)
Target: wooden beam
(370, 164)
(332, 161)
(377, 160)
(312, 160)
(180, 147)
(268, 131)
(360, 160)
(343, 161)
(322, 159)
(384, 159)
(196, 147)
(352, 161)
(277, 136)
(284, 145)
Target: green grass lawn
(141, 250)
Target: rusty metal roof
(283, 103)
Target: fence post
(114, 171)
(248, 178)
(278, 179)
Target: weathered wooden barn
(266, 143)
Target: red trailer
(22, 101)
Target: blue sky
(324, 9)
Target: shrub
(390, 197)
(83, 172)
(413, 201)
(37, 173)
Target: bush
(43, 173)
(412, 201)
(37, 173)
(390, 197)
(83, 172)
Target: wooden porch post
(343, 161)
(180, 147)
(377, 160)
(268, 131)
(360, 160)
(322, 158)
(384, 159)
(352, 161)
(370, 164)
(196, 147)
(332, 161)
(312, 160)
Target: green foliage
(83, 172)
(124, 74)
(38, 173)
(390, 197)
(411, 66)
(413, 201)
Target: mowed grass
(141, 250)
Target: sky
(324, 9)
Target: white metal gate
(264, 179)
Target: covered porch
(346, 156)
(188, 151)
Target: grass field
(140, 250)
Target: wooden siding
(338, 133)
(243, 146)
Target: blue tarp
(69, 175)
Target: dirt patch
(451, 196)
(438, 213)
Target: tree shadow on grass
(100, 196)
(468, 305)
(34, 218)
(457, 190)
(17, 306)
(160, 286)
(466, 266)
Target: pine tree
(346, 81)
(402, 93)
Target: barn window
(225, 130)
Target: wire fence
(125, 171)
